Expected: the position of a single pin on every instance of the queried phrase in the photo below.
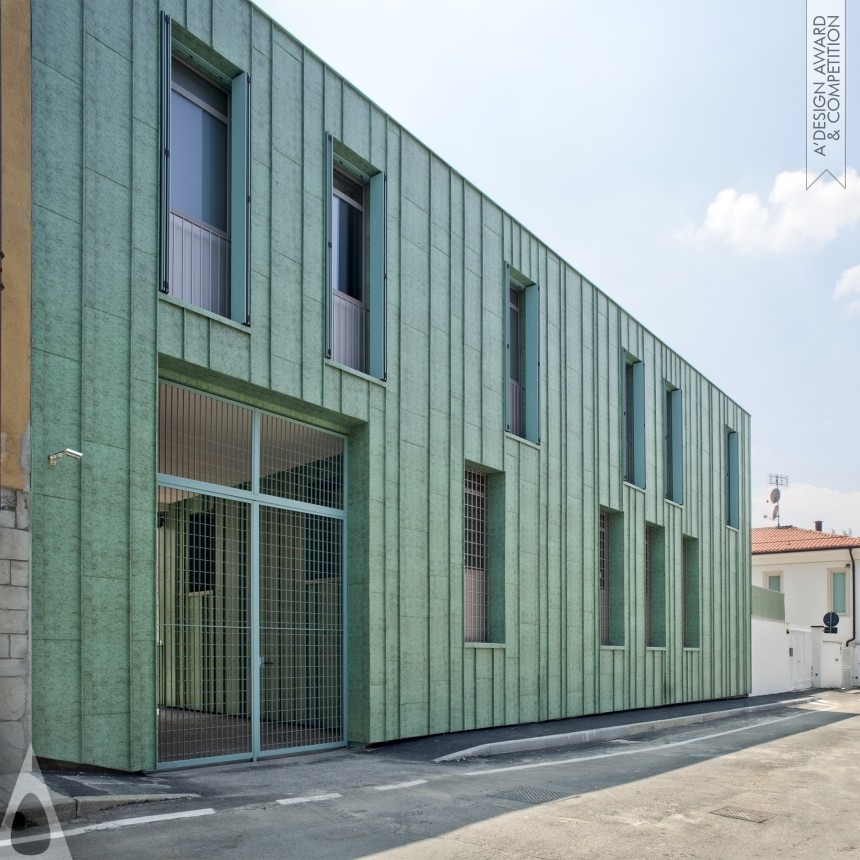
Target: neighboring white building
(815, 574)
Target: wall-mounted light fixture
(68, 452)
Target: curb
(87, 805)
(609, 733)
(67, 808)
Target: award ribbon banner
(825, 90)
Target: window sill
(673, 503)
(656, 648)
(515, 438)
(733, 528)
(613, 647)
(634, 486)
(499, 645)
(692, 649)
(336, 365)
(170, 300)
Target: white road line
(109, 825)
(636, 751)
(400, 785)
(289, 801)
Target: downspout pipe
(853, 596)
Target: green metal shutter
(327, 192)
(532, 364)
(676, 451)
(378, 275)
(240, 199)
(732, 494)
(507, 315)
(638, 423)
(164, 200)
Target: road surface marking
(400, 785)
(110, 825)
(289, 801)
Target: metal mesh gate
(250, 582)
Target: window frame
(488, 487)
(673, 419)
(655, 586)
(691, 587)
(610, 579)
(633, 413)
(846, 588)
(177, 44)
(528, 359)
(773, 575)
(374, 266)
(732, 488)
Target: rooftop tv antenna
(776, 481)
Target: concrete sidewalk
(78, 793)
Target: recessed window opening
(475, 529)
(199, 190)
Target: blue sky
(659, 147)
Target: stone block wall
(14, 630)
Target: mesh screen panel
(605, 581)
(300, 463)
(301, 634)
(202, 438)
(475, 529)
(203, 626)
(207, 572)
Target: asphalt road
(783, 783)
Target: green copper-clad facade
(363, 459)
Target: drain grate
(526, 794)
(754, 815)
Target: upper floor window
(522, 357)
(773, 581)
(838, 592)
(674, 434)
(634, 421)
(356, 269)
(733, 515)
(205, 179)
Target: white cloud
(791, 215)
(802, 504)
(848, 288)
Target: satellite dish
(774, 495)
(775, 512)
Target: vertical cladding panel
(444, 559)
(364, 611)
(313, 229)
(483, 687)
(197, 17)
(231, 31)
(574, 618)
(356, 121)
(333, 102)
(458, 337)
(512, 585)
(57, 299)
(286, 106)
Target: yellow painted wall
(15, 237)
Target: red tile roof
(793, 539)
